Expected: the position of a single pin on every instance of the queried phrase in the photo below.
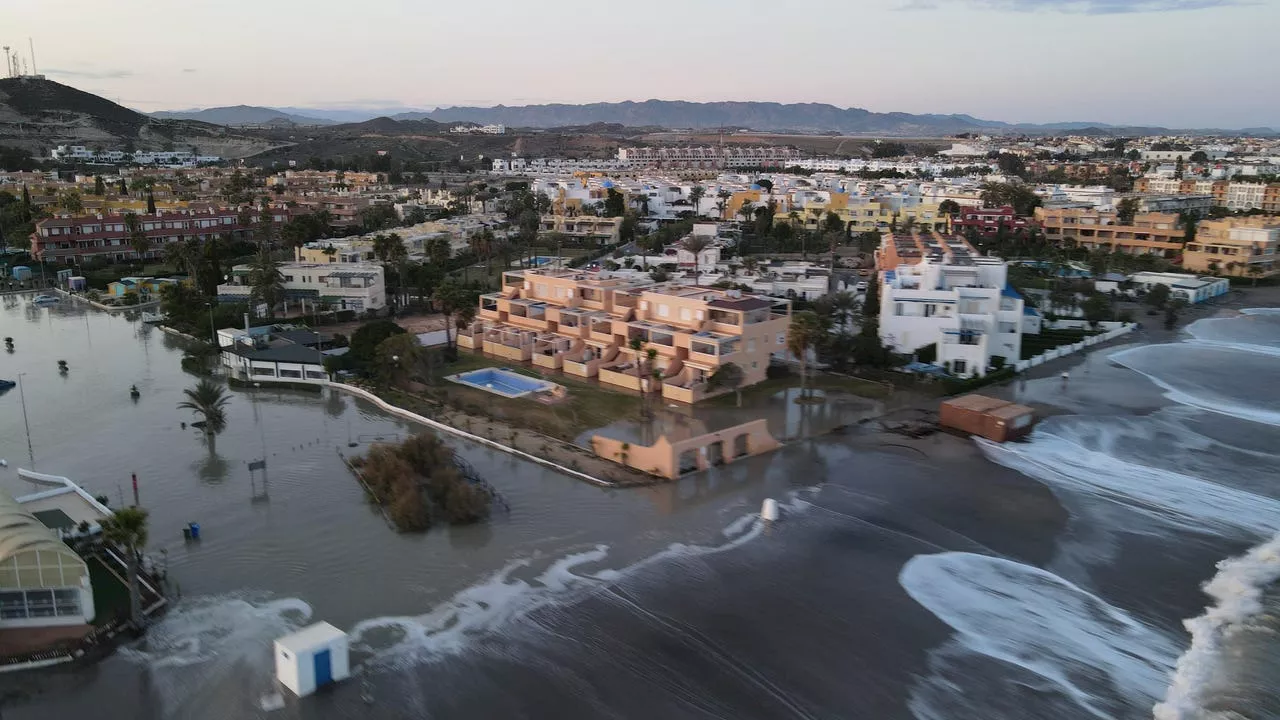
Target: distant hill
(236, 115)
(391, 126)
(770, 117)
(37, 115)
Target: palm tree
(747, 211)
(695, 198)
(127, 529)
(138, 239)
(806, 331)
(695, 244)
(723, 202)
(1255, 272)
(730, 377)
(637, 345)
(266, 282)
(844, 308)
(208, 400)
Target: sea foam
(1238, 590)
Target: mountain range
(806, 118)
(238, 115)
(38, 114)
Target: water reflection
(212, 468)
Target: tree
(765, 184)
(209, 400)
(1096, 309)
(832, 224)
(126, 528)
(138, 239)
(124, 187)
(730, 377)
(1021, 198)
(398, 358)
(949, 207)
(841, 307)
(695, 244)
(365, 341)
(615, 204)
(1158, 296)
(99, 186)
(70, 202)
(449, 298)
(1171, 313)
(1126, 209)
(747, 211)
(1179, 168)
(637, 346)
(151, 202)
(1255, 271)
(806, 332)
(266, 282)
(1199, 156)
(722, 202)
(695, 198)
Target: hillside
(773, 117)
(241, 115)
(37, 115)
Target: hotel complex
(938, 290)
(584, 324)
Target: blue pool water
(501, 382)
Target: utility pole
(32, 45)
(8, 63)
(31, 454)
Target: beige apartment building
(1238, 246)
(601, 230)
(584, 323)
(1148, 234)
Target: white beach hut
(311, 658)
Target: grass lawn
(587, 406)
(110, 594)
(817, 381)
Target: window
(930, 309)
(751, 345)
(663, 310)
(959, 366)
(264, 371)
(782, 338)
(316, 375)
(686, 314)
(898, 309)
(291, 373)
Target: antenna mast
(8, 62)
(31, 44)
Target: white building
(1245, 196)
(311, 658)
(340, 286)
(1189, 288)
(479, 129)
(951, 298)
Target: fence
(1064, 350)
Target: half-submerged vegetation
(421, 482)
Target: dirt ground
(413, 323)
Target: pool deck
(542, 385)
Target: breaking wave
(1073, 647)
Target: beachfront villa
(937, 290)
(338, 286)
(584, 324)
(1191, 289)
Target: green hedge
(955, 387)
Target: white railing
(1064, 350)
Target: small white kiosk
(311, 658)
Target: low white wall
(1064, 350)
(401, 412)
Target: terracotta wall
(667, 459)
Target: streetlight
(31, 454)
(212, 330)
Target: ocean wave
(505, 598)
(1251, 332)
(1043, 629)
(1175, 499)
(1261, 311)
(1230, 381)
(1238, 589)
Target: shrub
(927, 353)
(776, 371)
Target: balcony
(549, 351)
(527, 314)
(509, 343)
(601, 329)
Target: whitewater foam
(1194, 387)
(1238, 588)
(505, 598)
(1036, 621)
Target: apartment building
(710, 157)
(339, 286)
(1148, 234)
(585, 228)
(583, 324)
(1245, 196)
(988, 221)
(1236, 246)
(75, 239)
(335, 251)
(937, 290)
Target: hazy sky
(1179, 63)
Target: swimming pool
(502, 382)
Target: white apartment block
(937, 290)
(339, 286)
(178, 158)
(710, 157)
(1245, 196)
(479, 129)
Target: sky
(1175, 63)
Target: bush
(777, 371)
(927, 353)
(955, 387)
(1125, 316)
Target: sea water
(1203, 467)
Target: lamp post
(31, 454)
